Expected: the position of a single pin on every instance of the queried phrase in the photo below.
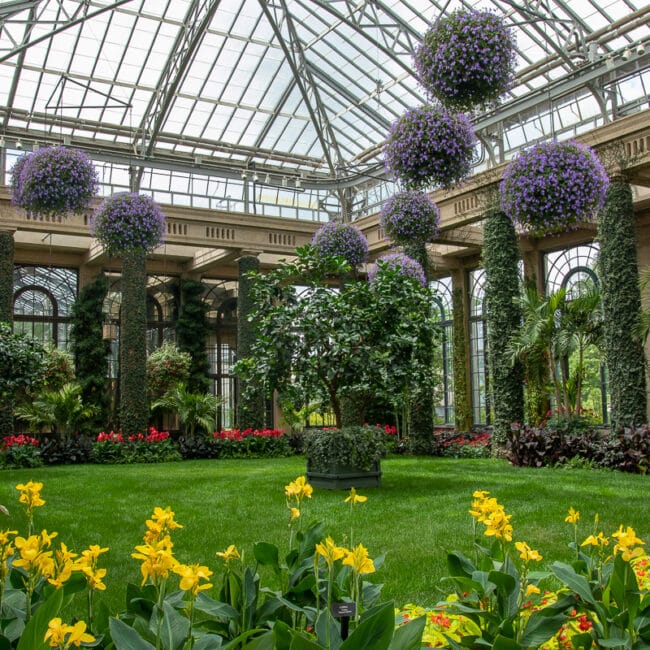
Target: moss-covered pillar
(6, 276)
(461, 351)
(6, 313)
(621, 298)
(134, 410)
(250, 404)
(503, 315)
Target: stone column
(461, 351)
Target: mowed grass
(416, 516)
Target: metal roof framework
(292, 93)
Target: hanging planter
(553, 187)
(128, 223)
(341, 240)
(428, 146)
(54, 181)
(401, 263)
(466, 59)
(410, 217)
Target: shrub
(20, 451)
(472, 444)
(466, 59)
(428, 146)
(59, 369)
(357, 446)
(627, 451)
(74, 450)
(128, 222)
(335, 239)
(401, 263)
(410, 217)
(553, 187)
(167, 366)
(54, 180)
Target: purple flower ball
(53, 181)
(341, 240)
(401, 263)
(467, 59)
(553, 187)
(126, 223)
(410, 217)
(428, 146)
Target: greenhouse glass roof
(201, 96)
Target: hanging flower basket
(128, 223)
(341, 240)
(410, 217)
(54, 181)
(553, 187)
(401, 263)
(466, 59)
(428, 146)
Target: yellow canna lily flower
(78, 634)
(572, 517)
(596, 540)
(526, 553)
(30, 494)
(358, 559)
(191, 575)
(532, 589)
(353, 497)
(298, 489)
(56, 631)
(5, 536)
(625, 540)
(330, 551)
(231, 553)
(295, 513)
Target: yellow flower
(94, 578)
(572, 517)
(78, 634)
(157, 559)
(330, 551)
(526, 553)
(56, 632)
(358, 559)
(33, 556)
(498, 525)
(625, 540)
(191, 575)
(295, 513)
(596, 540)
(162, 522)
(30, 494)
(5, 536)
(63, 566)
(353, 497)
(532, 589)
(231, 553)
(298, 489)
(480, 494)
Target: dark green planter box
(344, 477)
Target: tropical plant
(166, 367)
(59, 367)
(428, 146)
(466, 59)
(323, 344)
(410, 217)
(335, 239)
(195, 411)
(61, 411)
(53, 181)
(553, 187)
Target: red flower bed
(20, 440)
(237, 434)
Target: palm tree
(194, 410)
(61, 411)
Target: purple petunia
(428, 146)
(466, 59)
(401, 263)
(126, 223)
(410, 217)
(53, 181)
(553, 187)
(341, 240)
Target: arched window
(445, 397)
(43, 299)
(478, 349)
(574, 269)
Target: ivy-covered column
(422, 404)
(6, 313)
(501, 260)
(6, 276)
(462, 387)
(192, 334)
(621, 306)
(134, 410)
(250, 406)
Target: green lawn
(418, 514)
